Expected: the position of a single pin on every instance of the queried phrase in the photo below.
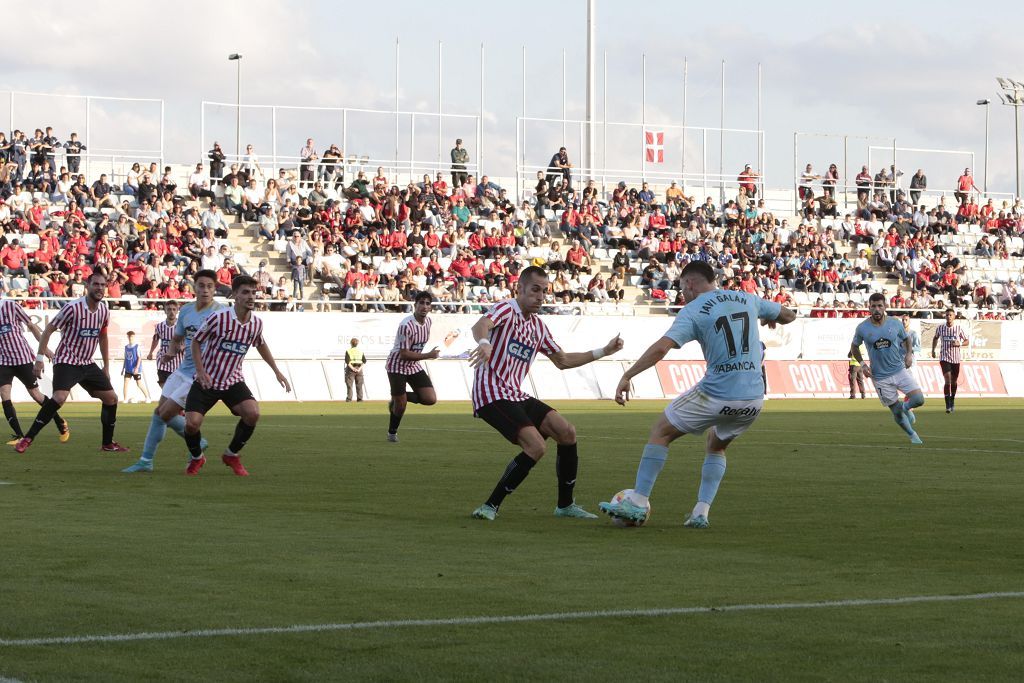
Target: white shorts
(889, 389)
(176, 387)
(693, 412)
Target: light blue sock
(899, 414)
(157, 430)
(177, 425)
(651, 463)
(710, 477)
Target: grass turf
(823, 500)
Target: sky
(910, 71)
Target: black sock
(47, 410)
(566, 465)
(396, 419)
(243, 432)
(12, 418)
(61, 423)
(412, 397)
(193, 443)
(108, 418)
(514, 475)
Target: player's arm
(935, 342)
(410, 355)
(482, 336)
(105, 351)
(908, 352)
(43, 350)
(173, 348)
(654, 353)
(786, 316)
(38, 334)
(197, 357)
(152, 347)
(564, 361)
(268, 358)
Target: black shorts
(949, 367)
(200, 400)
(419, 380)
(137, 376)
(89, 377)
(23, 372)
(508, 417)
(162, 375)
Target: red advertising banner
(829, 379)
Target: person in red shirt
(964, 184)
(136, 273)
(747, 283)
(657, 219)
(14, 260)
(440, 186)
(152, 294)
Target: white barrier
(802, 357)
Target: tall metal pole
(588, 161)
(161, 135)
(523, 149)
(1016, 140)
(682, 168)
(988, 107)
(563, 97)
(480, 124)
(721, 143)
(396, 103)
(604, 126)
(440, 93)
(643, 117)
(238, 108)
(760, 132)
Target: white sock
(700, 509)
(637, 498)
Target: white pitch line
(507, 619)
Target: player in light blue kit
(729, 397)
(891, 352)
(172, 399)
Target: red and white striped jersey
(165, 333)
(515, 342)
(951, 337)
(80, 331)
(411, 336)
(224, 340)
(14, 348)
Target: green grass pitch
(822, 501)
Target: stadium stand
(321, 243)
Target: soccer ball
(629, 523)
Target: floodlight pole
(237, 59)
(987, 104)
(1013, 96)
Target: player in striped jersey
(218, 349)
(403, 364)
(162, 336)
(508, 337)
(83, 327)
(952, 338)
(16, 361)
(168, 412)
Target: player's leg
(124, 389)
(652, 461)
(241, 401)
(422, 389)
(62, 425)
(711, 474)
(954, 380)
(947, 380)
(10, 413)
(197, 404)
(64, 377)
(108, 417)
(509, 418)
(396, 406)
(142, 386)
(554, 426)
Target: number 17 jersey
(724, 323)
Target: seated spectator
(199, 185)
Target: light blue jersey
(885, 346)
(189, 322)
(725, 324)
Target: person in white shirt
(211, 259)
(199, 186)
(213, 219)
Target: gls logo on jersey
(518, 349)
(882, 344)
(239, 348)
(6, 328)
(89, 332)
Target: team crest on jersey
(882, 344)
(190, 331)
(89, 332)
(518, 349)
(6, 328)
(240, 348)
